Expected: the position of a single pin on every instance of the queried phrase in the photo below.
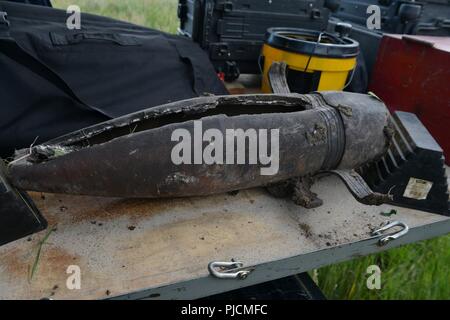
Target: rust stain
(15, 263)
(66, 209)
(56, 260)
(50, 274)
(18, 262)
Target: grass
(158, 14)
(418, 271)
(33, 268)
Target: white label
(417, 189)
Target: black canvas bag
(54, 80)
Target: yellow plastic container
(317, 61)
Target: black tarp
(54, 80)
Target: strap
(278, 79)
(75, 38)
(359, 188)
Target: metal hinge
(393, 236)
(228, 270)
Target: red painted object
(412, 74)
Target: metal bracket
(228, 270)
(393, 236)
(3, 18)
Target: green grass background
(418, 271)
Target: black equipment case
(424, 17)
(232, 31)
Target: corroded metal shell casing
(131, 156)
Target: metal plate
(161, 248)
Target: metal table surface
(160, 249)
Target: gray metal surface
(207, 286)
(161, 249)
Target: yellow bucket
(317, 61)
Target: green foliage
(417, 271)
(157, 14)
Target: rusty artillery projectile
(209, 145)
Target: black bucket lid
(305, 41)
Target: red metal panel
(412, 73)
